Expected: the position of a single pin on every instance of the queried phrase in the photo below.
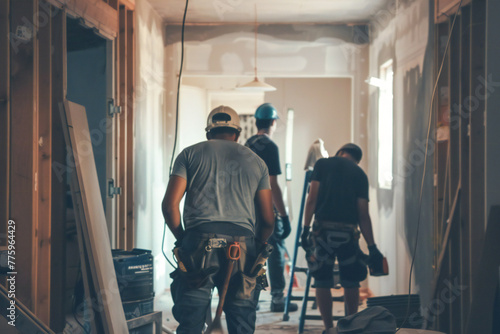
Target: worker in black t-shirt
(338, 199)
(262, 144)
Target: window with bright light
(385, 126)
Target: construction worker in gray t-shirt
(227, 191)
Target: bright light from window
(385, 126)
(289, 144)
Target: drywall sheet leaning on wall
(92, 222)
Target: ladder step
(300, 270)
(310, 298)
(318, 317)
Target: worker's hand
(178, 241)
(304, 239)
(375, 261)
(287, 228)
(375, 254)
(260, 245)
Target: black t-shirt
(267, 150)
(341, 183)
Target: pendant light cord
(255, 42)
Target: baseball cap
(223, 116)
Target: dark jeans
(192, 304)
(276, 262)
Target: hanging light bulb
(256, 85)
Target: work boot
(278, 304)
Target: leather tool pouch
(196, 274)
(248, 285)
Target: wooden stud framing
(42, 306)
(4, 118)
(130, 4)
(464, 242)
(122, 132)
(130, 130)
(23, 185)
(59, 175)
(114, 4)
(96, 13)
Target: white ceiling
(269, 11)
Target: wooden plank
(4, 118)
(23, 190)
(42, 306)
(440, 268)
(130, 4)
(116, 137)
(114, 3)
(26, 321)
(111, 141)
(154, 317)
(122, 132)
(96, 13)
(59, 175)
(444, 8)
(94, 224)
(89, 277)
(85, 263)
(485, 279)
(130, 130)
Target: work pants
(276, 261)
(191, 304)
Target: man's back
(342, 182)
(267, 150)
(222, 180)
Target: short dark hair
(223, 130)
(353, 153)
(263, 123)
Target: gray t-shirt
(223, 178)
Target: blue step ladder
(294, 269)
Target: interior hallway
(413, 82)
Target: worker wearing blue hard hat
(262, 144)
(266, 111)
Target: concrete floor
(267, 321)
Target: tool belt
(196, 265)
(332, 235)
(325, 225)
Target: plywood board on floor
(97, 247)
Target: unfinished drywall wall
(404, 34)
(193, 112)
(283, 51)
(151, 160)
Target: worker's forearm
(173, 221)
(264, 231)
(365, 226)
(309, 212)
(278, 199)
